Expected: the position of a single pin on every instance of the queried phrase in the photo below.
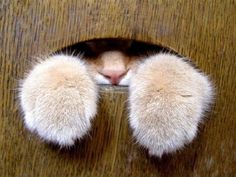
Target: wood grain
(202, 30)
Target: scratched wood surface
(202, 30)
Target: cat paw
(167, 100)
(59, 99)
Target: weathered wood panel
(202, 30)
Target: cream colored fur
(59, 99)
(167, 100)
(114, 61)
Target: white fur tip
(167, 100)
(59, 99)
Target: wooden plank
(202, 30)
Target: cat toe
(59, 99)
(167, 100)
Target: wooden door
(201, 30)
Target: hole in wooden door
(111, 60)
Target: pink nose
(114, 75)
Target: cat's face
(112, 67)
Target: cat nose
(114, 75)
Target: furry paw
(167, 100)
(59, 99)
